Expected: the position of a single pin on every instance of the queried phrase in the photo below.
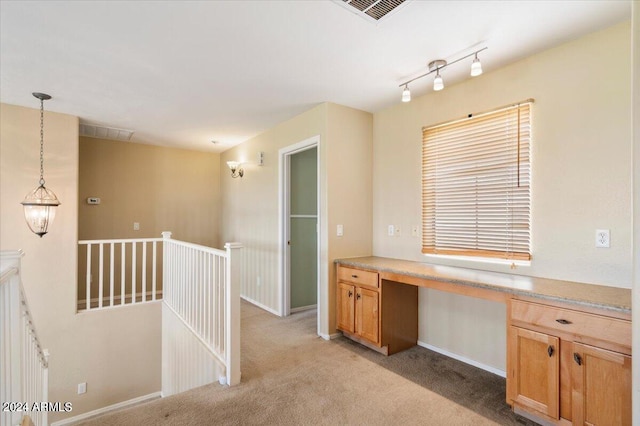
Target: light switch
(339, 230)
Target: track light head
(406, 94)
(438, 83)
(476, 67)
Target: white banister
(23, 363)
(202, 288)
(232, 311)
(126, 278)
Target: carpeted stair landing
(290, 376)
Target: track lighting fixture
(406, 94)
(438, 65)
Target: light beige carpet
(292, 377)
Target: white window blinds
(476, 174)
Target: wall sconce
(40, 204)
(236, 169)
(438, 65)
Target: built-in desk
(566, 341)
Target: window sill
(479, 260)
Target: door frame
(284, 156)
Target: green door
(303, 224)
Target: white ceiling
(182, 73)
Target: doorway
(300, 226)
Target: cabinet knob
(354, 276)
(358, 296)
(350, 293)
(563, 321)
(577, 358)
(550, 351)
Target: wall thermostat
(93, 200)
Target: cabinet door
(533, 372)
(367, 314)
(345, 307)
(601, 386)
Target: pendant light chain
(41, 142)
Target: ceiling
(185, 73)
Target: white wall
(186, 364)
(581, 178)
(116, 352)
(250, 204)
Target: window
(476, 174)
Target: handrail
(121, 240)
(202, 288)
(5, 275)
(206, 249)
(24, 370)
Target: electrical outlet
(603, 238)
(391, 230)
(340, 231)
(136, 226)
(82, 388)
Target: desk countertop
(589, 295)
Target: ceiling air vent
(102, 132)
(372, 10)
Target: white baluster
(101, 275)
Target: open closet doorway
(299, 226)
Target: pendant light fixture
(438, 65)
(40, 204)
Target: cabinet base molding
(538, 419)
(383, 350)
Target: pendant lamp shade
(40, 204)
(40, 209)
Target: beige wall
(251, 211)
(163, 189)
(635, 43)
(581, 179)
(88, 347)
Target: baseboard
(464, 359)
(302, 308)
(103, 410)
(329, 336)
(260, 305)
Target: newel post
(166, 266)
(232, 312)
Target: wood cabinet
(358, 304)
(382, 315)
(535, 382)
(566, 366)
(601, 386)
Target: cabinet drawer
(598, 327)
(358, 276)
